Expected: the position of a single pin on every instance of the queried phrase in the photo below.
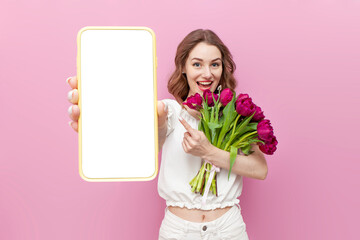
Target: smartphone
(116, 72)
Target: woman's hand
(195, 142)
(73, 97)
(74, 110)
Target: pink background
(298, 60)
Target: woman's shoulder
(172, 103)
(169, 100)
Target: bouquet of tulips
(229, 123)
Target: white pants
(229, 226)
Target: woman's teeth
(205, 84)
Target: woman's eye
(215, 64)
(196, 64)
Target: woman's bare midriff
(198, 215)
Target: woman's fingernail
(68, 79)
(70, 123)
(180, 118)
(70, 110)
(70, 95)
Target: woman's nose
(207, 72)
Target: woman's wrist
(210, 155)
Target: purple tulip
(208, 97)
(265, 130)
(242, 97)
(226, 96)
(198, 99)
(245, 107)
(259, 115)
(194, 101)
(270, 147)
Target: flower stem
(207, 174)
(213, 183)
(212, 115)
(200, 181)
(195, 183)
(241, 139)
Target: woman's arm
(252, 166)
(162, 123)
(196, 143)
(162, 135)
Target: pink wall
(299, 60)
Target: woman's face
(204, 65)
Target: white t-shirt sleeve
(171, 116)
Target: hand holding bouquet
(229, 123)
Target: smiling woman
(202, 62)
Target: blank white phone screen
(117, 87)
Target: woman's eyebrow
(201, 59)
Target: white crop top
(178, 168)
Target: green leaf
(233, 154)
(212, 117)
(246, 149)
(213, 128)
(206, 110)
(217, 108)
(226, 140)
(244, 123)
(232, 125)
(249, 128)
(214, 125)
(200, 126)
(229, 114)
(221, 120)
(245, 138)
(217, 132)
(207, 130)
(253, 126)
(256, 140)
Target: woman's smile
(203, 85)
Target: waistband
(204, 227)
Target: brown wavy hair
(177, 84)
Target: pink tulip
(259, 115)
(208, 97)
(226, 96)
(245, 106)
(265, 130)
(242, 97)
(194, 101)
(270, 147)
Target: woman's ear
(184, 74)
(183, 70)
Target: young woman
(202, 62)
